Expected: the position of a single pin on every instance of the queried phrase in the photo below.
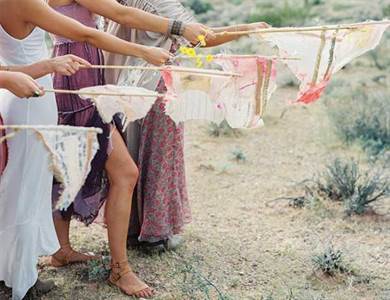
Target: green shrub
(386, 11)
(199, 6)
(97, 270)
(364, 118)
(285, 15)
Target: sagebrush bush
(363, 117)
(223, 129)
(344, 181)
(370, 189)
(238, 156)
(339, 180)
(330, 262)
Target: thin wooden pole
(78, 92)
(52, 127)
(304, 29)
(173, 68)
(242, 56)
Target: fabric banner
(71, 151)
(254, 88)
(196, 96)
(240, 100)
(321, 54)
(124, 100)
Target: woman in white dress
(26, 230)
(26, 224)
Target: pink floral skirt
(160, 207)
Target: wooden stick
(304, 29)
(243, 56)
(173, 68)
(78, 92)
(52, 127)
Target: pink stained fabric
(254, 71)
(320, 55)
(240, 100)
(3, 150)
(196, 97)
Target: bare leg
(123, 174)
(66, 255)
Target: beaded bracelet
(175, 27)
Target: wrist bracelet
(170, 25)
(177, 28)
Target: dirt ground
(242, 244)
(241, 241)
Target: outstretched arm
(65, 65)
(19, 79)
(40, 14)
(217, 40)
(139, 19)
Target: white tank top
(22, 51)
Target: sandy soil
(242, 241)
(243, 244)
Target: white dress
(26, 222)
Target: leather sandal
(66, 256)
(120, 269)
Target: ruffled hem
(21, 246)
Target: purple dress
(75, 111)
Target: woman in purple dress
(113, 175)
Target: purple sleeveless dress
(75, 111)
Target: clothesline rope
(305, 29)
(52, 128)
(174, 69)
(78, 92)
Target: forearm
(113, 44)
(36, 70)
(128, 16)
(138, 19)
(222, 39)
(3, 78)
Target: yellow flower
(191, 52)
(202, 40)
(183, 50)
(209, 58)
(199, 63)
